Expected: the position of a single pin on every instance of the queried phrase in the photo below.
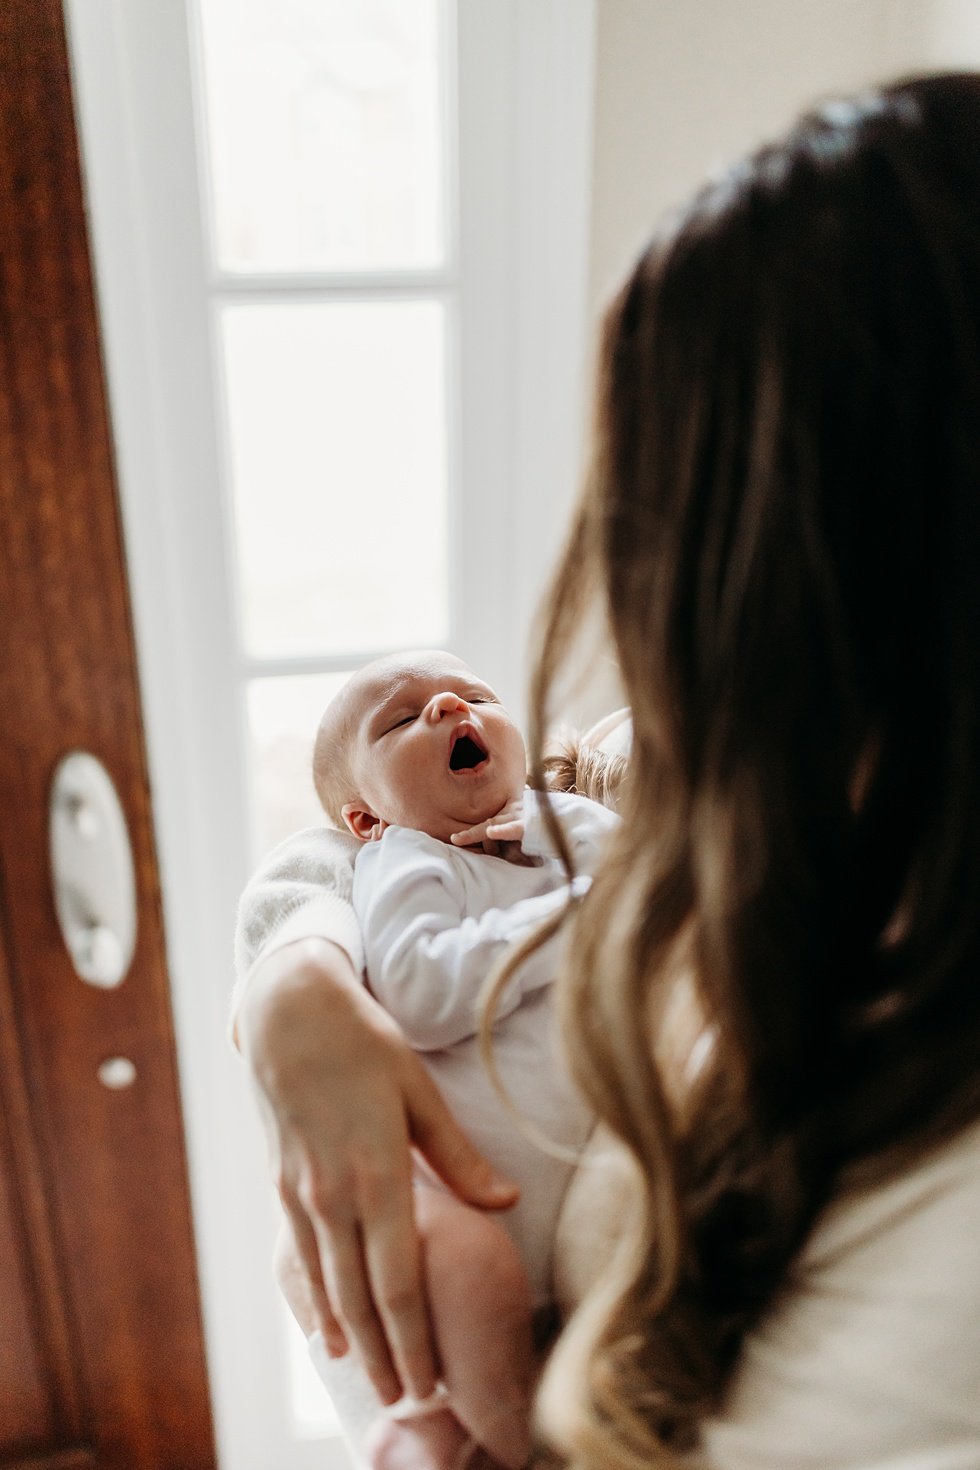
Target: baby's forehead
(412, 678)
(380, 684)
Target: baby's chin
(444, 826)
(446, 829)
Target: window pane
(283, 715)
(338, 446)
(325, 133)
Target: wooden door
(101, 1349)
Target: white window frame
(439, 284)
(524, 109)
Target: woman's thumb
(447, 1150)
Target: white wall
(682, 86)
(954, 33)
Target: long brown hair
(782, 520)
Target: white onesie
(435, 920)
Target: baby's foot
(433, 1442)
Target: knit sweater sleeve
(301, 890)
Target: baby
(419, 760)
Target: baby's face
(433, 748)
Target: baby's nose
(446, 703)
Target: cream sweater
(870, 1361)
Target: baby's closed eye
(405, 720)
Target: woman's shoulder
(873, 1347)
(911, 1206)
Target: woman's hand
(343, 1099)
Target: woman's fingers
(300, 1281)
(347, 1283)
(301, 1278)
(394, 1261)
(446, 1148)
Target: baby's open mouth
(467, 753)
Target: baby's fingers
(511, 831)
(469, 835)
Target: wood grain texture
(100, 1176)
(41, 1397)
(80, 1459)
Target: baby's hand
(497, 833)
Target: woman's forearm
(344, 1099)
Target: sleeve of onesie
(426, 959)
(301, 890)
(586, 825)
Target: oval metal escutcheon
(92, 870)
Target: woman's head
(782, 518)
(788, 434)
(786, 500)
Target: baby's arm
(426, 960)
(586, 825)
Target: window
(325, 131)
(287, 377)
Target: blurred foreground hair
(782, 521)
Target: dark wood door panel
(41, 1396)
(81, 1459)
(26, 1409)
(95, 1186)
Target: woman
(782, 520)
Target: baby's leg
(481, 1317)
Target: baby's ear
(365, 826)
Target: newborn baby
(419, 760)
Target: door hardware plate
(92, 870)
